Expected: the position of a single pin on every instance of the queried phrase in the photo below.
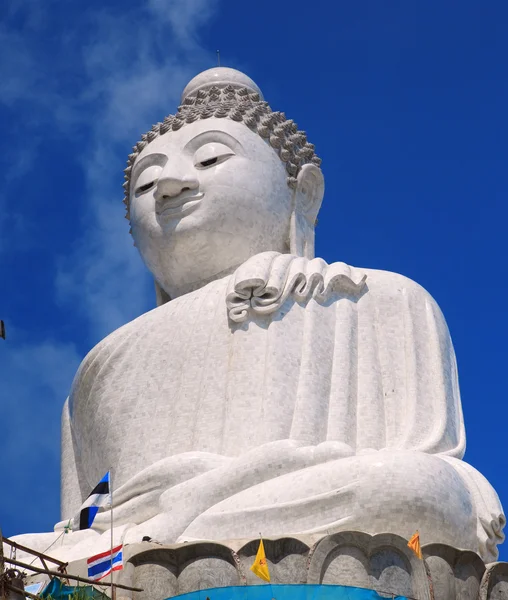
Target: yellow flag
(260, 566)
(414, 544)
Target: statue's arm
(70, 491)
(414, 366)
(437, 382)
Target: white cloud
(136, 71)
(184, 16)
(34, 379)
(127, 72)
(14, 66)
(28, 372)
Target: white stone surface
(335, 413)
(273, 392)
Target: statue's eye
(209, 162)
(211, 154)
(147, 179)
(145, 188)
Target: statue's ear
(161, 297)
(307, 198)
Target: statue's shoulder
(99, 355)
(127, 331)
(148, 328)
(389, 285)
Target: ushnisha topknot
(232, 100)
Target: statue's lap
(396, 491)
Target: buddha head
(222, 180)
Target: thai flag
(99, 496)
(101, 565)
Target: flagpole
(113, 594)
(269, 582)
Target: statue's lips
(172, 207)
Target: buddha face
(204, 199)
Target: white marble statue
(268, 391)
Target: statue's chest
(188, 377)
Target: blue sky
(405, 102)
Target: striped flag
(100, 496)
(101, 565)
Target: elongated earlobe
(161, 297)
(307, 198)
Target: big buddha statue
(268, 390)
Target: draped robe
(291, 396)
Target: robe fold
(291, 396)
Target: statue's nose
(174, 180)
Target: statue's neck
(187, 266)
(175, 289)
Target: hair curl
(241, 105)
